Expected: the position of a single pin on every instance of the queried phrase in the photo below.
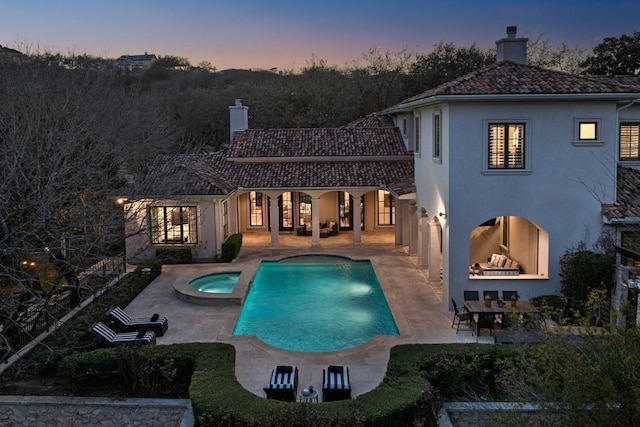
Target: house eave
(320, 159)
(632, 220)
(304, 189)
(183, 196)
(521, 97)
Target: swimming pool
(315, 304)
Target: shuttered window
(629, 141)
(506, 146)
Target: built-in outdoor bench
(500, 265)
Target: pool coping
(372, 343)
(186, 293)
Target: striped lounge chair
(107, 335)
(126, 323)
(335, 383)
(283, 384)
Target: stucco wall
(553, 193)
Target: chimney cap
(238, 102)
(511, 31)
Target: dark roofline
(488, 83)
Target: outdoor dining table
(521, 307)
(505, 315)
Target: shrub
(231, 247)
(174, 255)
(464, 371)
(150, 371)
(583, 271)
(552, 306)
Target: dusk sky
(286, 34)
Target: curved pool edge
(253, 340)
(186, 293)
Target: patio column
(413, 229)
(434, 255)
(315, 220)
(357, 213)
(423, 239)
(400, 208)
(274, 216)
(232, 214)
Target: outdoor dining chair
(459, 316)
(471, 296)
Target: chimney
(512, 48)
(238, 118)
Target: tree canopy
(615, 56)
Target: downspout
(620, 292)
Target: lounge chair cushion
(282, 377)
(127, 323)
(335, 383)
(109, 336)
(283, 384)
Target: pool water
(217, 283)
(315, 304)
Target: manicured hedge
(231, 247)
(139, 370)
(174, 255)
(405, 396)
(418, 377)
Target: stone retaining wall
(491, 414)
(44, 411)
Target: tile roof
(331, 142)
(510, 78)
(373, 120)
(628, 196)
(295, 158)
(406, 185)
(317, 174)
(187, 174)
(632, 82)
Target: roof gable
(373, 120)
(188, 174)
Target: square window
(588, 131)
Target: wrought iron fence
(32, 317)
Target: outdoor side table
(312, 397)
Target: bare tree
(69, 139)
(541, 53)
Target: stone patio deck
(416, 307)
